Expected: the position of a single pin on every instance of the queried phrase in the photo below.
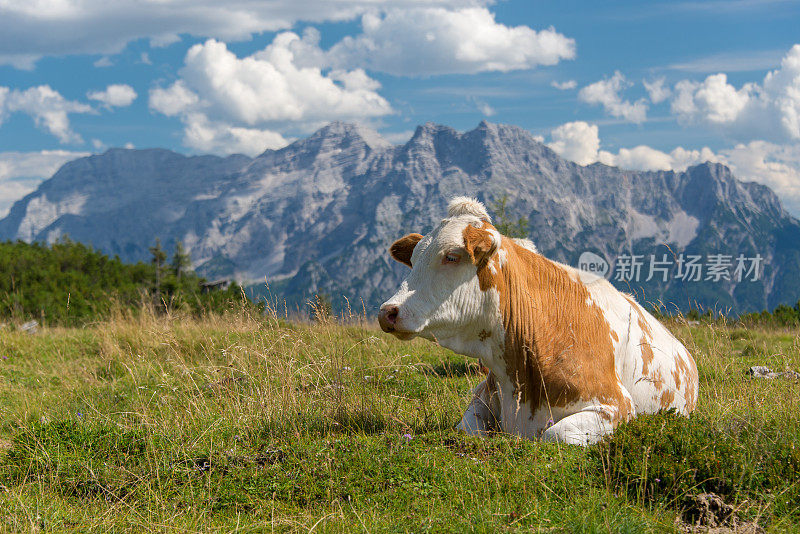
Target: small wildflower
(408, 437)
(80, 414)
(550, 423)
(658, 480)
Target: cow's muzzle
(387, 318)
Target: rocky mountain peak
(332, 203)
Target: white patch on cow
(526, 244)
(467, 206)
(502, 257)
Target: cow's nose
(387, 317)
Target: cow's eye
(451, 258)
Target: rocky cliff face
(318, 215)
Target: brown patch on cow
(647, 354)
(614, 336)
(484, 335)
(479, 244)
(402, 249)
(676, 375)
(667, 398)
(558, 347)
(645, 342)
(685, 367)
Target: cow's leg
(584, 427)
(483, 413)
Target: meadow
(244, 422)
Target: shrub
(665, 457)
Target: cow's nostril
(387, 318)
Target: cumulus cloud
(223, 138)
(564, 86)
(576, 141)
(769, 110)
(774, 165)
(428, 41)
(116, 95)
(46, 106)
(231, 104)
(657, 91)
(607, 93)
(21, 172)
(713, 100)
(579, 142)
(32, 29)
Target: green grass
(254, 424)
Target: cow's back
(651, 363)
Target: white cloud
(231, 104)
(482, 106)
(713, 100)
(607, 93)
(174, 100)
(104, 61)
(21, 172)
(115, 95)
(219, 137)
(770, 110)
(564, 86)
(427, 41)
(579, 142)
(645, 158)
(657, 91)
(576, 141)
(46, 106)
(31, 29)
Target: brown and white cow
(569, 356)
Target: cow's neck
(552, 332)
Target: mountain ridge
(320, 213)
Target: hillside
(318, 215)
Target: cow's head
(444, 293)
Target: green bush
(70, 284)
(665, 457)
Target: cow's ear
(403, 248)
(480, 244)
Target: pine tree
(159, 257)
(503, 224)
(181, 261)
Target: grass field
(255, 424)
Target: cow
(569, 356)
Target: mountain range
(318, 215)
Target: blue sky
(641, 85)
